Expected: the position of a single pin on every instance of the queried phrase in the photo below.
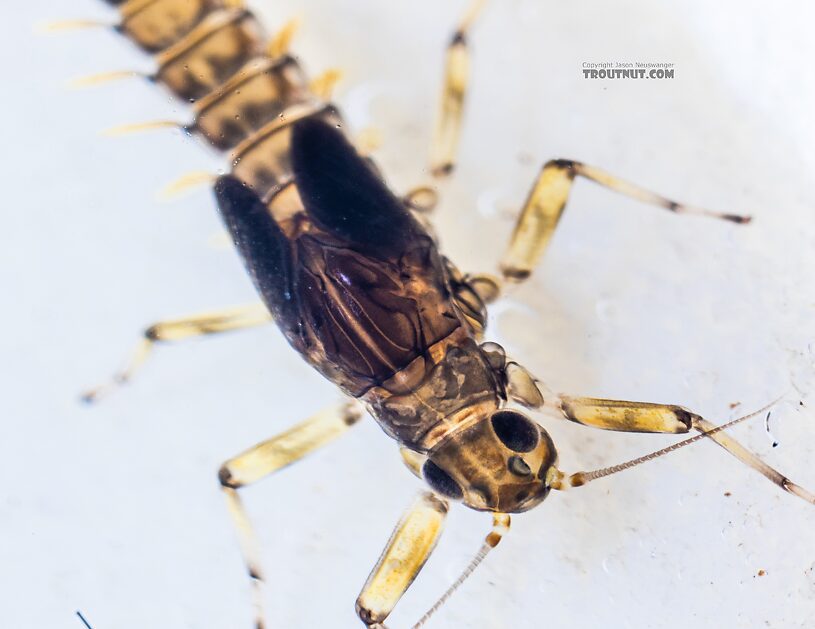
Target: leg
(405, 554)
(547, 200)
(624, 416)
(271, 456)
(456, 77)
(444, 146)
(172, 330)
(751, 460)
(661, 418)
(472, 293)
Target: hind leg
(444, 145)
(451, 111)
(172, 330)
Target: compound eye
(515, 431)
(441, 482)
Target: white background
(115, 510)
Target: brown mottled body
(394, 326)
(357, 285)
(370, 305)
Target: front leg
(405, 554)
(626, 416)
(664, 418)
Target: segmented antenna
(500, 526)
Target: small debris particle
(525, 158)
(734, 404)
(727, 494)
(761, 573)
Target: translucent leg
(547, 200)
(661, 418)
(268, 457)
(625, 416)
(751, 460)
(405, 554)
(456, 78)
(172, 330)
(424, 198)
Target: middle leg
(271, 456)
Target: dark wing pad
(343, 193)
(264, 248)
